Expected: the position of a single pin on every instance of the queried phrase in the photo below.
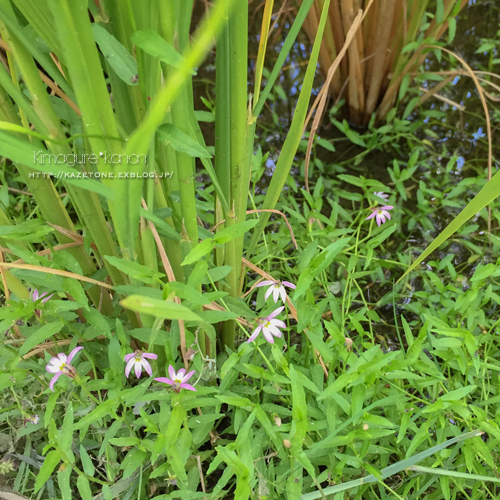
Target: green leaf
(318, 264)
(439, 11)
(135, 270)
(66, 434)
(458, 394)
(382, 236)
(41, 335)
(353, 136)
(63, 480)
(404, 86)
(299, 410)
(125, 441)
(453, 473)
(169, 134)
(483, 272)
(33, 231)
(294, 136)
(199, 251)
(49, 464)
(155, 45)
(88, 466)
(104, 409)
(356, 181)
(118, 57)
(216, 274)
(84, 488)
(163, 228)
(159, 308)
(215, 317)
(452, 29)
(230, 233)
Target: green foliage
(374, 389)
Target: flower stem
(78, 380)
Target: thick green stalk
(239, 169)
(122, 28)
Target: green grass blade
(287, 45)
(481, 200)
(391, 470)
(453, 473)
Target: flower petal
(129, 366)
(147, 367)
(138, 369)
(128, 357)
(187, 386)
(46, 298)
(274, 331)
(269, 291)
(282, 293)
(73, 353)
(54, 380)
(276, 312)
(255, 334)
(268, 335)
(276, 293)
(164, 380)
(265, 283)
(171, 372)
(288, 284)
(278, 322)
(51, 368)
(149, 355)
(387, 214)
(372, 215)
(186, 377)
(62, 357)
(181, 373)
(386, 207)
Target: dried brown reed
(370, 75)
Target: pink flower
(34, 296)
(60, 365)
(380, 214)
(269, 326)
(382, 195)
(138, 360)
(276, 288)
(177, 380)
